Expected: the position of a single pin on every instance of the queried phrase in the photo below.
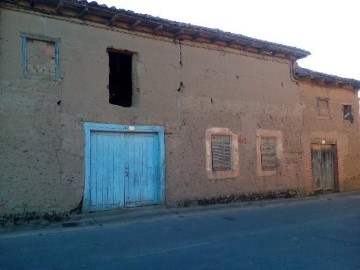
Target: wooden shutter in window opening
(221, 152)
(269, 161)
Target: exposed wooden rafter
(317, 79)
(196, 36)
(83, 12)
(313, 77)
(59, 7)
(158, 28)
(179, 33)
(136, 23)
(247, 46)
(262, 49)
(231, 42)
(32, 3)
(113, 19)
(214, 39)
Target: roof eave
(132, 21)
(318, 78)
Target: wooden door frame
(336, 166)
(93, 127)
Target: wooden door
(124, 170)
(323, 167)
(141, 169)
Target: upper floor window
(120, 78)
(323, 107)
(40, 57)
(347, 113)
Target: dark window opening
(347, 113)
(221, 153)
(120, 79)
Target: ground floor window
(222, 159)
(269, 151)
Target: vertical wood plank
(329, 179)
(316, 167)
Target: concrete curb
(149, 213)
(160, 211)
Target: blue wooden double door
(124, 169)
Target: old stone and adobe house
(103, 108)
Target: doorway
(323, 161)
(124, 166)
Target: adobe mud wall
(331, 126)
(185, 87)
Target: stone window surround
(56, 41)
(234, 154)
(279, 150)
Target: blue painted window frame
(91, 127)
(25, 37)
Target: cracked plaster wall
(185, 88)
(344, 133)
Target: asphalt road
(320, 233)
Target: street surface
(316, 233)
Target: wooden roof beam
(179, 33)
(262, 49)
(317, 79)
(231, 42)
(330, 82)
(344, 84)
(196, 36)
(59, 7)
(301, 74)
(214, 39)
(247, 46)
(158, 28)
(32, 3)
(290, 56)
(113, 19)
(136, 23)
(83, 12)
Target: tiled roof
(130, 20)
(315, 77)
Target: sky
(329, 29)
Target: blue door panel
(142, 180)
(106, 187)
